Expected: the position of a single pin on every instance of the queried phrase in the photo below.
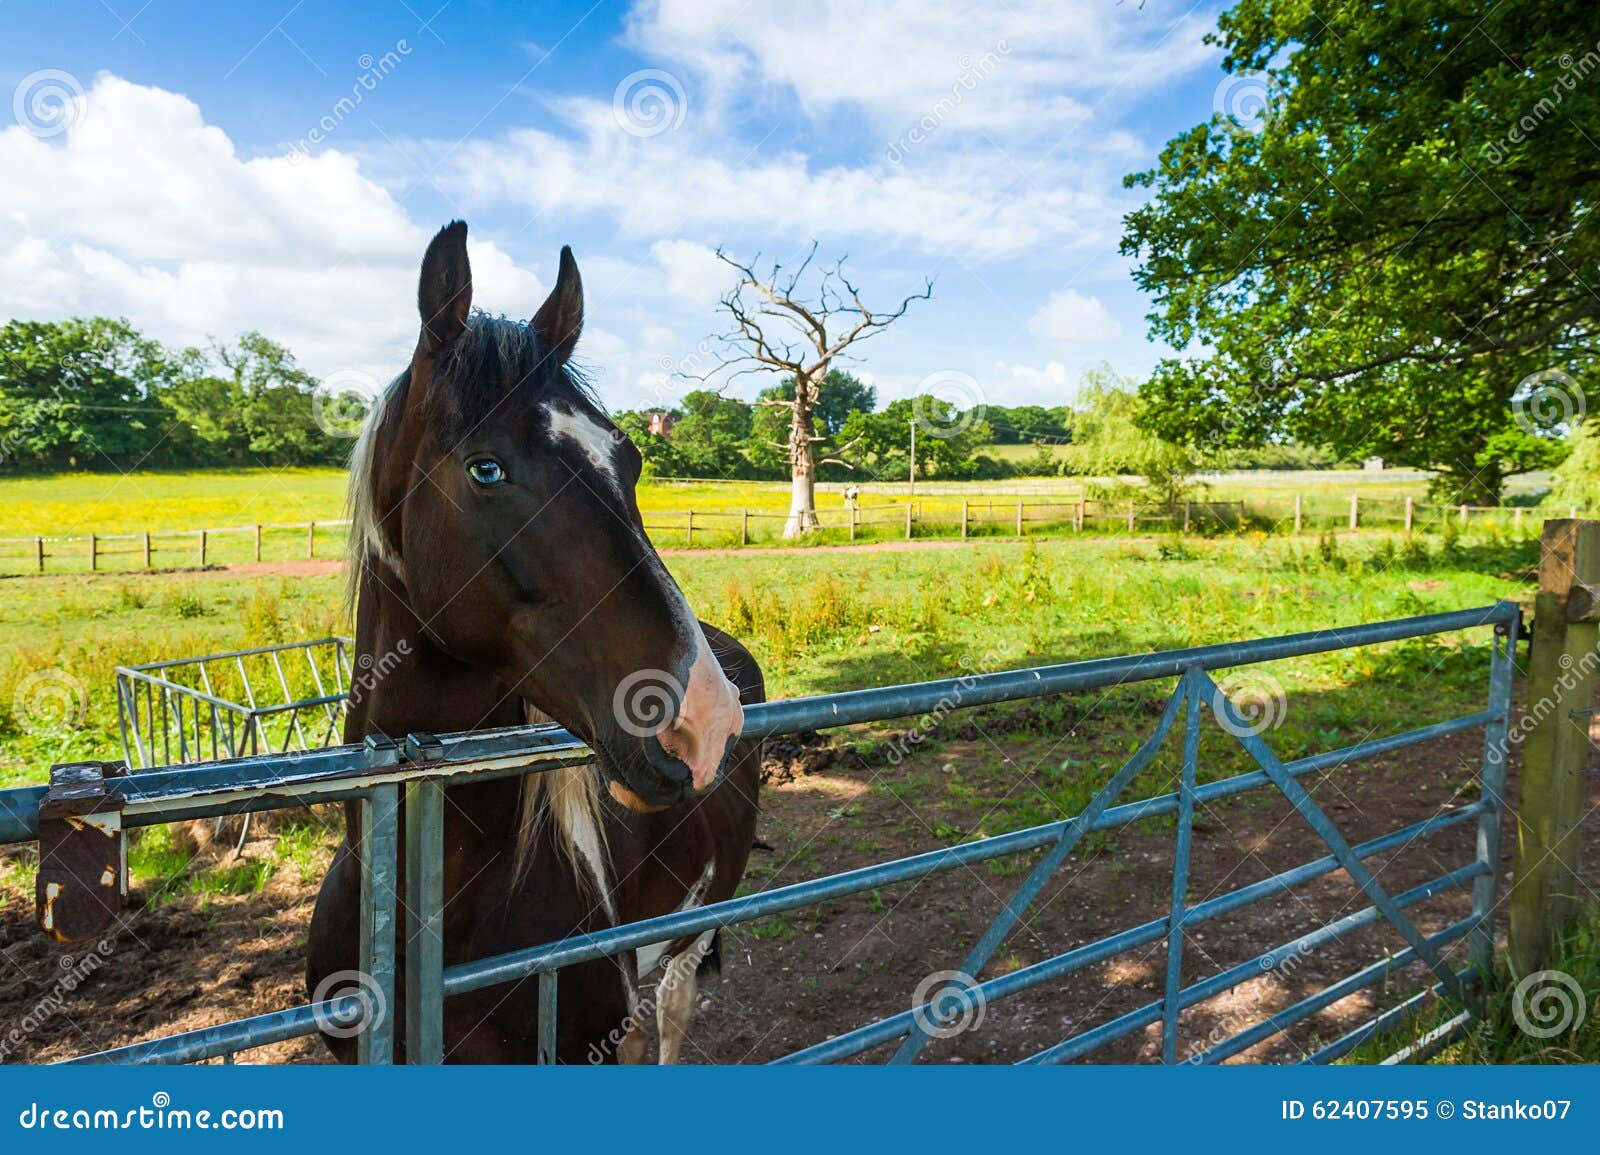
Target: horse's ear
(444, 294)
(560, 319)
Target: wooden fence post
(94, 553)
(908, 521)
(854, 515)
(1516, 519)
(1297, 513)
(1555, 755)
(1019, 519)
(744, 527)
(688, 531)
(1186, 506)
(147, 549)
(258, 541)
(1077, 517)
(311, 539)
(1130, 517)
(1355, 510)
(1411, 513)
(202, 549)
(1464, 512)
(963, 519)
(38, 549)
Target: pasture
(823, 621)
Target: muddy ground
(792, 981)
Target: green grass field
(817, 622)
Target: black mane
(495, 355)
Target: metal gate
(419, 768)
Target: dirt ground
(793, 981)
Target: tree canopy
(1380, 241)
(92, 393)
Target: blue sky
(203, 169)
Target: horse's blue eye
(486, 472)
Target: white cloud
(1016, 384)
(143, 210)
(675, 184)
(1070, 316)
(1028, 66)
(694, 272)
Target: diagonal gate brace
(1237, 725)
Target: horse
(501, 572)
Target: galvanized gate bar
(1390, 1019)
(229, 1038)
(1192, 682)
(1051, 862)
(852, 706)
(380, 822)
(424, 921)
(1326, 997)
(1080, 1045)
(1496, 739)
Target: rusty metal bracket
(83, 851)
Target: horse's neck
(403, 682)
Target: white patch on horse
(647, 958)
(597, 442)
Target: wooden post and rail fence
(931, 516)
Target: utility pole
(913, 491)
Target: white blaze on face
(596, 441)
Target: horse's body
(530, 590)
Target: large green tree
(1382, 241)
(81, 393)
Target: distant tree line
(94, 393)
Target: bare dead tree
(776, 328)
